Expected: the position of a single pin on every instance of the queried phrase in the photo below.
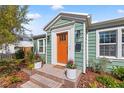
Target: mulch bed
(6, 83)
(89, 78)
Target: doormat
(59, 67)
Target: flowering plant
(71, 64)
(37, 57)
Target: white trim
(119, 42)
(46, 48)
(70, 30)
(52, 22)
(87, 49)
(84, 47)
(43, 45)
(59, 15)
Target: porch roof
(39, 36)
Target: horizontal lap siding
(58, 23)
(61, 22)
(92, 45)
(49, 48)
(92, 52)
(79, 55)
(43, 56)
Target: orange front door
(62, 48)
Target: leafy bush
(93, 85)
(15, 79)
(19, 54)
(8, 66)
(30, 57)
(71, 64)
(30, 66)
(100, 66)
(121, 85)
(107, 81)
(118, 72)
(37, 57)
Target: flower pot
(71, 73)
(37, 65)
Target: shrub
(93, 85)
(15, 79)
(19, 54)
(121, 85)
(30, 66)
(71, 64)
(30, 57)
(8, 66)
(107, 81)
(118, 72)
(100, 66)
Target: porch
(51, 76)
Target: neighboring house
(24, 41)
(40, 45)
(7, 49)
(72, 36)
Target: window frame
(115, 43)
(43, 45)
(118, 42)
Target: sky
(42, 14)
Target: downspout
(84, 48)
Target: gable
(61, 22)
(65, 18)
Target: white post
(84, 47)
(119, 43)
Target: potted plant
(71, 69)
(38, 61)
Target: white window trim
(43, 46)
(119, 42)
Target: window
(107, 46)
(62, 36)
(41, 46)
(78, 47)
(77, 33)
(48, 39)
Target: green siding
(58, 23)
(35, 49)
(79, 55)
(49, 48)
(61, 22)
(92, 52)
(92, 45)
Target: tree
(12, 21)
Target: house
(24, 41)
(73, 36)
(7, 49)
(40, 45)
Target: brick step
(45, 82)
(30, 84)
